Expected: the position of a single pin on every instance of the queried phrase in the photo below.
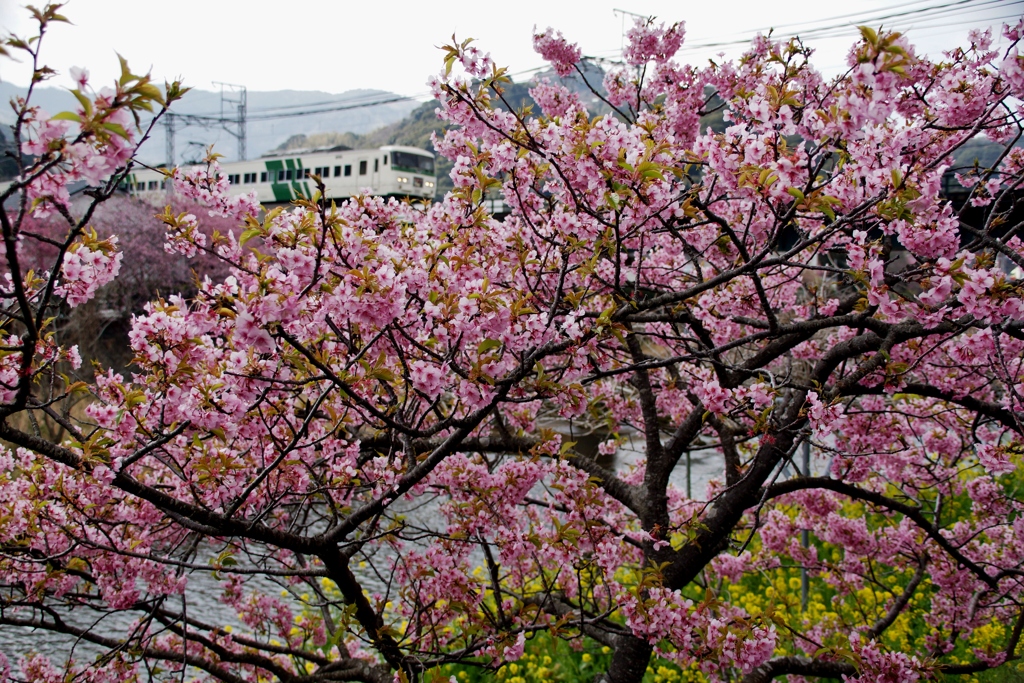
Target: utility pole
(169, 149)
(623, 13)
(169, 153)
(236, 95)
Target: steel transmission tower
(237, 96)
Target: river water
(202, 596)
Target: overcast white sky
(339, 45)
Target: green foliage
(548, 659)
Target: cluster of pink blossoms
(209, 187)
(72, 148)
(85, 270)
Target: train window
(337, 171)
(413, 163)
(362, 167)
(305, 173)
(153, 184)
(163, 184)
(263, 176)
(385, 159)
(376, 165)
(348, 169)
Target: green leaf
(486, 345)
(84, 101)
(66, 116)
(126, 73)
(151, 91)
(248, 235)
(117, 129)
(383, 374)
(795, 191)
(869, 35)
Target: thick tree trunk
(629, 663)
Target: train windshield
(413, 163)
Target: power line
(346, 107)
(828, 27)
(866, 16)
(837, 26)
(838, 29)
(208, 119)
(343, 101)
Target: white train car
(390, 171)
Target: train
(279, 178)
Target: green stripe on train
(282, 192)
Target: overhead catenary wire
(807, 29)
(851, 20)
(837, 31)
(923, 18)
(846, 24)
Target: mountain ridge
(262, 135)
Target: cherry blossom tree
(353, 435)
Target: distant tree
(363, 410)
(8, 166)
(148, 271)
